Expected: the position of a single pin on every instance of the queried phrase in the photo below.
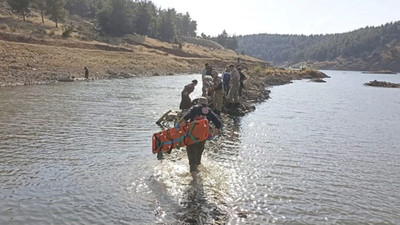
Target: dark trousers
(194, 153)
(186, 102)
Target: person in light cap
(203, 101)
(195, 151)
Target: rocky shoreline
(28, 64)
(376, 83)
(379, 72)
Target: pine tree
(20, 6)
(146, 17)
(55, 10)
(41, 6)
(114, 19)
(168, 25)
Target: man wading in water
(195, 151)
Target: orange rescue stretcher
(187, 134)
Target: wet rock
(191, 221)
(318, 80)
(112, 73)
(376, 83)
(242, 215)
(379, 72)
(125, 75)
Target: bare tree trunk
(56, 24)
(41, 12)
(23, 15)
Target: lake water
(315, 153)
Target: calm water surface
(315, 153)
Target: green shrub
(67, 30)
(258, 69)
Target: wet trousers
(186, 102)
(194, 153)
(233, 95)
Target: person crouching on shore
(186, 102)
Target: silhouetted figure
(186, 102)
(86, 73)
(243, 77)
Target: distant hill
(365, 49)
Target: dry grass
(34, 52)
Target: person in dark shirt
(86, 73)
(186, 102)
(243, 77)
(226, 77)
(195, 151)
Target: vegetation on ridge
(369, 48)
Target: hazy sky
(285, 16)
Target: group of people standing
(215, 89)
(229, 86)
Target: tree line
(224, 39)
(292, 49)
(115, 17)
(120, 17)
(52, 8)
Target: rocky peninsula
(32, 52)
(376, 83)
(380, 72)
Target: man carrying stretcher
(195, 151)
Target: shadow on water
(196, 208)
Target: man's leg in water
(200, 152)
(192, 156)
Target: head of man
(203, 101)
(194, 82)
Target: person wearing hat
(186, 102)
(205, 78)
(195, 151)
(217, 94)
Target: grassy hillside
(32, 52)
(369, 48)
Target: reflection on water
(315, 153)
(323, 154)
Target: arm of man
(189, 115)
(216, 121)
